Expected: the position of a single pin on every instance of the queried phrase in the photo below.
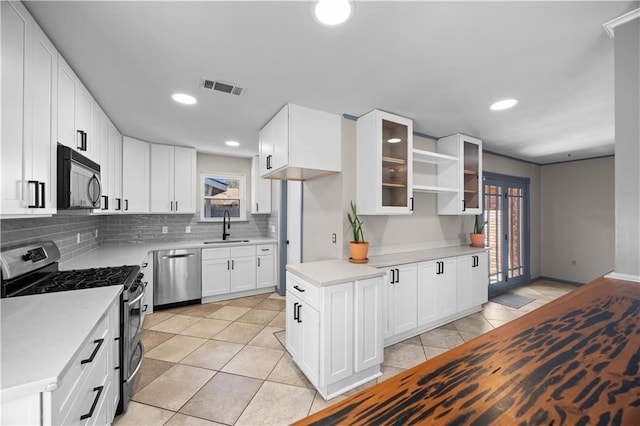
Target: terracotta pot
(477, 240)
(358, 252)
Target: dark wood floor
(575, 360)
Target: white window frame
(242, 195)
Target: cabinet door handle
(36, 195)
(258, 262)
(95, 402)
(464, 206)
(257, 207)
(437, 268)
(42, 198)
(233, 264)
(228, 265)
(79, 140)
(176, 206)
(106, 202)
(295, 311)
(268, 162)
(126, 205)
(95, 351)
(299, 316)
(397, 275)
(118, 203)
(411, 204)
(171, 205)
(301, 290)
(84, 141)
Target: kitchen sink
(225, 241)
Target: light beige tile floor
(221, 363)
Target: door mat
(512, 300)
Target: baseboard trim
(624, 277)
(542, 277)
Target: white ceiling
(438, 63)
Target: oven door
(133, 350)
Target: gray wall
(578, 219)
(627, 147)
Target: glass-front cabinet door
(466, 175)
(385, 164)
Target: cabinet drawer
(80, 368)
(305, 291)
(92, 393)
(244, 251)
(216, 253)
(264, 249)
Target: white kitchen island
(334, 323)
(45, 339)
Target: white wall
(627, 148)
(578, 219)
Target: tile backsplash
(122, 229)
(62, 229)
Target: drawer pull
(93, 354)
(301, 290)
(95, 402)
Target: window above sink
(222, 192)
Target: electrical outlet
(96, 233)
(334, 238)
(78, 238)
(165, 229)
(273, 229)
(187, 229)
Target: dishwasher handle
(177, 256)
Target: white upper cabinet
(135, 175)
(300, 143)
(384, 164)
(29, 96)
(173, 179)
(260, 190)
(465, 175)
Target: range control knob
(27, 256)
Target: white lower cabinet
(401, 306)
(334, 332)
(473, 271)
(265, 266)
(437, 292)
(228, 270)
(421, 296)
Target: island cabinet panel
(437, 290)
(368, 324)
(337, 307)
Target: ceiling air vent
(223, 87)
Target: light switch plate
(165, 229)
(187, 229)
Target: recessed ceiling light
(394, 140)
(333, 12)
(503, 104)
(232, 143)
(183, 98)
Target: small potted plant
(359, 247)
(477, 236)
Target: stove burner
(80, 279)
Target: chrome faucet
(225, 224)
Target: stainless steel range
(33, 269)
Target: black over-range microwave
(78, 180)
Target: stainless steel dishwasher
(177, 278)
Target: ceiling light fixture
(183, 98)
(394, 140)
(232, 143)
(333, 12)
(503, 104)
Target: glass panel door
(506, 210)
(394, 164)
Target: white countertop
(42, 333)
(382, 261)
(330, 272)
(134, 254)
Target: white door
(243, 273)
(280, 135)
(265, 271)
(135, 176)
(185, 180)
(294, 222)
(293, 327)
(368, 324)
(428, 274)
(405, 291)
(215, 277)
(161, 180)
